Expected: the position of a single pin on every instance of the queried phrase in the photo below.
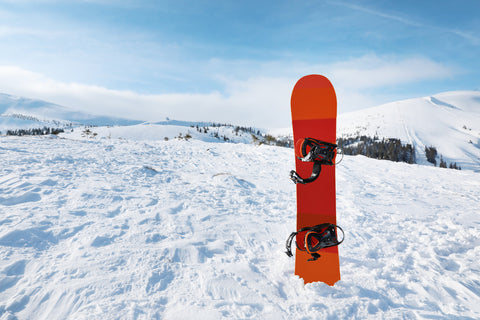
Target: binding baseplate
(314, 239)
(316, 151)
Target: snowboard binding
(314, 239)
(316, 151)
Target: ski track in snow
(119, 229)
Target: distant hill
(439, 129)
(24, 113)
(448, 122)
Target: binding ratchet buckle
(313, 239)
(316, 151)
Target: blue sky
(233, 61)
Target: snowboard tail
(314, 115)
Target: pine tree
(443, 164)
(431, 153)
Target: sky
(233, 61)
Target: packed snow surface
(98, 228)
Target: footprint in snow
(159, 280)
(34, 237)
(12, 274)
(229, 180)
(24, 198)
(103, 241)
(15, 269)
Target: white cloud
(466, 35)
(361, 82)
(378, 13)
(8, 31)
(96, 99)
(254, 102)
(372, 71)
(258, 100)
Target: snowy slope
(449, 121)
(153, 131)
(129, 229)
(21, 113)
(24, 113)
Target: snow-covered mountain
(18, 113)
(448, 121)
(24, 113)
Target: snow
(154, 131)
(143, 228)
(24, 113)
(449, 121)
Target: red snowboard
(314, 115)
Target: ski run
(98, 228)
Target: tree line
(431, 153)
(385, 149)
(34, 131)
(256, 134)
(390, 149)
